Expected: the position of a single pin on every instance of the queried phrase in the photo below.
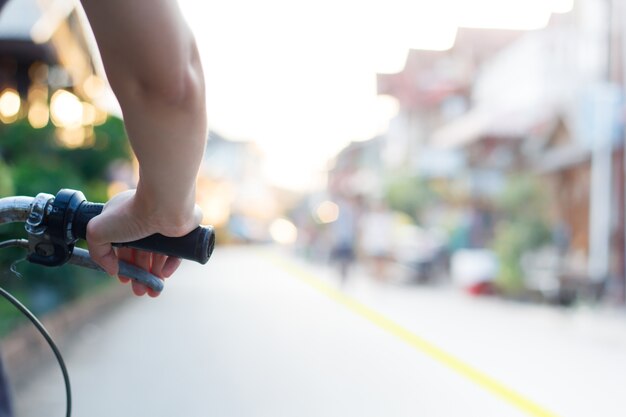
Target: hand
(161, 266)
(126, 218)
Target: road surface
(255, 333)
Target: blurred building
(356, 170)
(234, 194)
(530, 102)
(435, 88)
(548, 102)
(48, 69)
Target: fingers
(122, 221)
(126, 255)
(104, 255)
(142, 260)
(152, 262)
(171, 265)
(158, 261)
(100, 247)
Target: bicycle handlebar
(15, 209)
(54, 223)
(69, 213)
(197, 245)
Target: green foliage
(39, 164)
(522, 226)
(6, 182)
(31, 161)
(409, 195)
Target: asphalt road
(255, 334)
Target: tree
(522, 226)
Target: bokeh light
(66, 109)
(38, 114)
(327, 212)
(283, 231)
(10, 104)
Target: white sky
(298, 77)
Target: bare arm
(152, 63)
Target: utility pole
(601, 224)
(620, 16)
(617, 78)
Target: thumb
(102, 230)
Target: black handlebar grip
(85, 212)
(197, 245)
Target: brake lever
(80, 257)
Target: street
(255, 333)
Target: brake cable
(42, 329)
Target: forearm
(168, 140)
(152, 64)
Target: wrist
(170, 213)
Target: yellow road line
(483, 380)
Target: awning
(462, 130)
(482, 121)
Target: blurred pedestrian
(344, 236)
(377, 237)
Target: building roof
(430, 76)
